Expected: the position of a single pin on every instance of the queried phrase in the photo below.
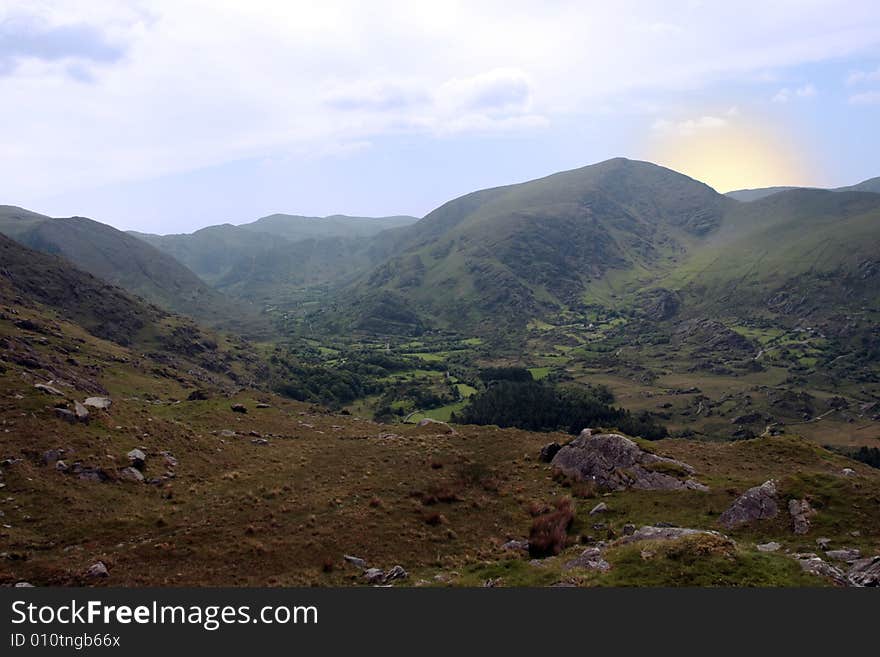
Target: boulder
(64, 414)
(865, 572)
(374, 575)
(516, 545)
(227, 433)
(435, 424)
(101, 403)
(98, 569)
(589, 559)
(847, 472)
(137, 459)
(844, 554)
(548, 451)
(800, 511)
(81, 412)
(651, 533)
(49, 390)
(197, 395)
(357, 562)
(601, 507)
(131, 474)
(264, 405)
(614, 462)
(772, 546)
(239, 408)
(823, 543)
(396, 572)
(815, 565)
(756, 503)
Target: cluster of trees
(537, 406)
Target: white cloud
(785, 94)
(858, 77)
(205, 82)
(689, 127)
(866, 98)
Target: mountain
(103, 309)
(747, 195)
(224, 254)
(871, 185)
(500, 257)
(123, 260)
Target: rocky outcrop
(653, 533)
(615, 463)
(589, 559)
(865, 572)
(548, 451)
(101, 403)
(758, 503)
(800, 511)
(815, 565)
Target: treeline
(537, 406)
(351, 376)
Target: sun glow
(731, 156)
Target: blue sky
(168, 116)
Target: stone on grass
(758, 503)
(98, 570)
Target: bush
(549, 532)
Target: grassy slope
(123, 260)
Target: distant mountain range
(871, 185)
(620, 234)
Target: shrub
(549, 532)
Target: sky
(170, 115)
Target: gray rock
(81, 412)
(24, 585)
(357, 562)
(64, 414)
(800, 511)
(756, 503)
(601, 507)
(227, 433)
(865, 572)
(548, 451)
(49, 390)
(844, 554)
(772, 546)
(131, 474)
(815, 565)
(98, 570)
(823, 543)
(435, 424)
(649, 533)
(589, 559)
(51, 456)
(516, 545)
(239, 408)
(396, 572)
(170, 460)
(60, 466)
(847, 472)
(101, 403)
(374, 575)
(260, 441)
(264, 405)
(616, 463)
(137, 459)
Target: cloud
(858, 77)
(690, 127)
(375, 96)
(197, 84)
(499, 91)
(785, 94)
(23, 37)
(866, 98)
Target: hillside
(224, 254)
(501, 257)
(123, 260)
(138, 485)
(747, 195)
